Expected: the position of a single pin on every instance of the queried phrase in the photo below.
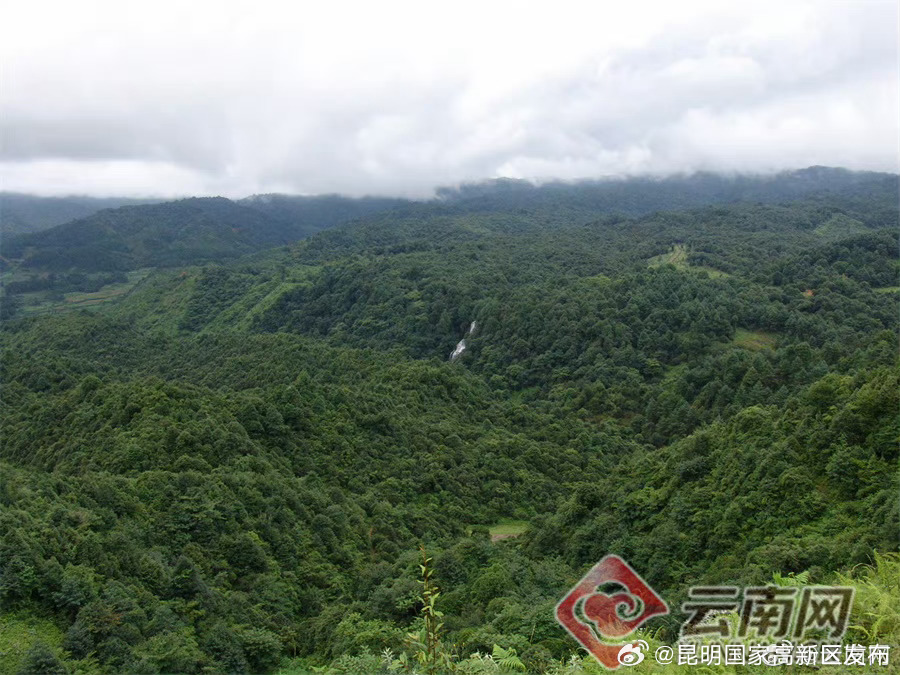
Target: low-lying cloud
(235, 98)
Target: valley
(227, 458)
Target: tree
(40, 660)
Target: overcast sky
(150, 98)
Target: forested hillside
(232, 466)
(180, 232)
(167, 234)
(637, 196)
(314, 213)
(22, 214)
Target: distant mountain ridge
(174, 233)
(314, 213)
(23, 213)
(198, 230)
(183, 232)
(640, 195)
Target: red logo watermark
(611, 601)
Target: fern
(876, 607)
(795, 580)
(507, 659)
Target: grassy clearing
(711, 271)
(887, 289)
(753, 340)
(37, 303)
(508, 529)
(678, 258)
(259, 298)
(82, 299)
(598, 279)
(840, 225)
(18, 632)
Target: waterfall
(460, 348)
(461, 345)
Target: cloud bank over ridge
(397, 98)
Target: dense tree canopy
(234, 464)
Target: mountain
(236, 466)
(182, 232)
(320, 212)
(641, 195)
(192, 231)
(168, 234)
(23, 213)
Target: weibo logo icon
(611, 602)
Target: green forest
(256, 455)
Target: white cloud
(240, 97)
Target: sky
(236, 98)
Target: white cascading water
(461, 345)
